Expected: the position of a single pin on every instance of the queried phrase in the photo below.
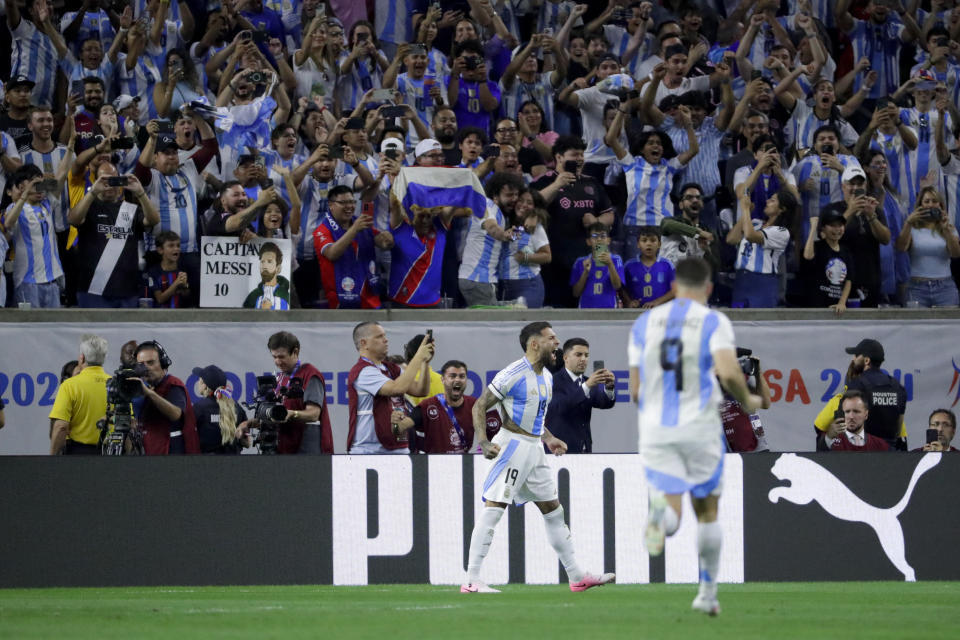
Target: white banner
(804, 362)
(254, 275)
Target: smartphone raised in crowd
(597, 365)
(932, 435)
(117, 181)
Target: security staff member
(81, 401)
(888, 398)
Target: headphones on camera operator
(165, 360)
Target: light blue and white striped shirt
(176, 201)
(923, 160)
(74, 71)
(828, 185)
(673, 347)
(763, 258)
(364, 75)
(648, 190)
(34, 56)
(95, 24)
(540, 91)
(879, 43)
(393, 21)
(36, 260)
(510, 269)
(703, 168)
(803, 123)
(523, 395)
(481, 252)
(49, 163)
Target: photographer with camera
(109, 228)
(743, 431)
(301, 424)
(166, 416)
(81, 401)
(221, 422)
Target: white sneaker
(655, 534)
(477, 587)
(709, 606)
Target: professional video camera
(122, 389)
(269, 410)
(750, 367)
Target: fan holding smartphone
(576, 393)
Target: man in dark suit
(575, 395)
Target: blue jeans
(40, 296)
(93, 301)
(938, 292)
(756, 290)
(529, 288)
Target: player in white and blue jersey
(29, 222)
(519, 472)
(677, 352)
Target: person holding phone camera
(744, 430)
(941, 427)
(473, 97)
(847, 431)
(576, 394)
(109, 228)
(931, 241)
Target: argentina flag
(439, 187)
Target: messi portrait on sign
(252, 275)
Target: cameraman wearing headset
(81, 401)
(743, 430)
(166, 416)
(307, 426)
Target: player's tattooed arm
(486, 400)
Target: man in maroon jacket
(856, 407)
(307, 427)
(444, 422)
(166, 416)
(375, 389)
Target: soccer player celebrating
(677, 351)
(519, 472)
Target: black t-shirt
(207, 413)
(215, 224)
(17, 129)
(566, 232)
(824, 276)
(107, 247)
(529, 158)
(864, 248)
(888, 401)
(452, 157)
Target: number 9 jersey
(672, 348)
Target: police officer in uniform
(888, 398)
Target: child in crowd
(648, 276)
(166, 283)
(597, 277)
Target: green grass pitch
(391, 612)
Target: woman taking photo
(930, 239)
(221, 421)
(522, 257)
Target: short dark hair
(164, 237)
(599, 227)
(442, 108)
(850, 394)
(283, 340)
(826, 128)
(410, 349)
(691, 185)
(453, 364)
(473, 46)
(950, 414)
(649, 230)
(531, 330)
(279, 129)
(567, 143)
(574, 342)
(271, 247)
(95, 80)
(337, 190)
(23, 174)
(761, 140)
(693, 272)
(463, 133)
(499, 181)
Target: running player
(677, 351)
(519, 472)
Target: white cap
(426, 146)
(853, 171)
(123, 101)
(391, 143)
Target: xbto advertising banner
(355, 520)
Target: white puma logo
(809, 481)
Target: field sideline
(391, 612)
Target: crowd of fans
(808, 149)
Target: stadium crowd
(808, 149)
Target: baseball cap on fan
(20, 81)
(426, 146)
(123, 101)
(391, 143)
(853, 171)
(870, 348)
(925, 80)
(212, 376)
